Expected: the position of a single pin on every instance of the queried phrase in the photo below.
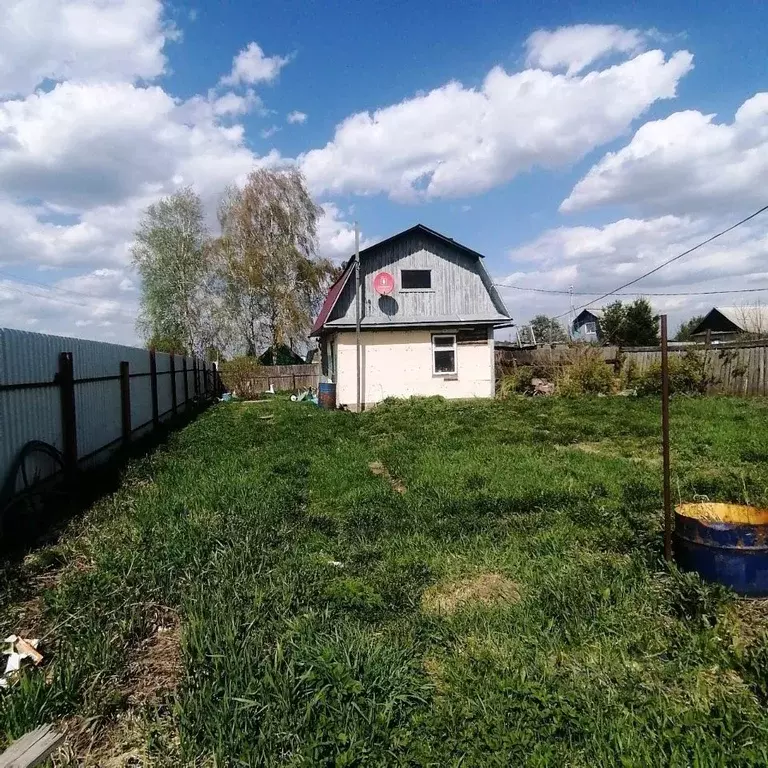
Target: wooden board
(32, 749)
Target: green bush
(516, 381)
(687, 376)
(238, 375)
(587, 374)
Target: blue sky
(477, 119)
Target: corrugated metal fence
(85, 397)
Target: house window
(415, 279)
(444, 354)
(590, 327)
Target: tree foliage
(257, 285)
(686, 329)
(172, 344)
(272, 280)
(548, 329)
(171, 256)
(631, 324)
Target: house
(282, 354)
(730, 323)
(586, 325)
(428, 309)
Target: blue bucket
(327, 395)
(725, 543)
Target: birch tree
(172, 255)
(268, 262)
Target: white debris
(17, 649)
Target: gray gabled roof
(335, 291)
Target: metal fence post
(186, 381)
(125, 400)
(173, 383)
(153, 386)
(205, 380)
(195, 382)
(665, 440)
(66, 381)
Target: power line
(669, 261)
(60, 300)
(643, 293)
(46, 287)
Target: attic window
(415, 279)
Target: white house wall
(399, 364)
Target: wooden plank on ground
(32, 749)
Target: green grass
(238, 524)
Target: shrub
(238, 375)
(516, 381)
(687, 376)
(588, 373)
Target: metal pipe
(665, 440)
(357, 318)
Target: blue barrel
(326, 394)
(725, 543)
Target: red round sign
(384, 283)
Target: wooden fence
(736, 368)
(281, 377)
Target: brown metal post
(186, 381)
(153, 385)
(173, 383)
(66, 381)
(125, 400)
(665, 440)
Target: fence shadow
(41, 517)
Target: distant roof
(748, 319)
(594, 311)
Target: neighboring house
(428, 310)
(731, 323)
(586, 325)
(282, 355)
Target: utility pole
(357, 318)
(570, 312)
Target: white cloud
(252, 66)
(575, 48)
(100, 305)
(336, 235)
(234, 104)
(267, 133)
(603, 257)
(456, 141)
(88, 145)
(296, 117)
(64, 39)
(686, 162)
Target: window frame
(590, 327)
(415, 290)
(452, 348)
